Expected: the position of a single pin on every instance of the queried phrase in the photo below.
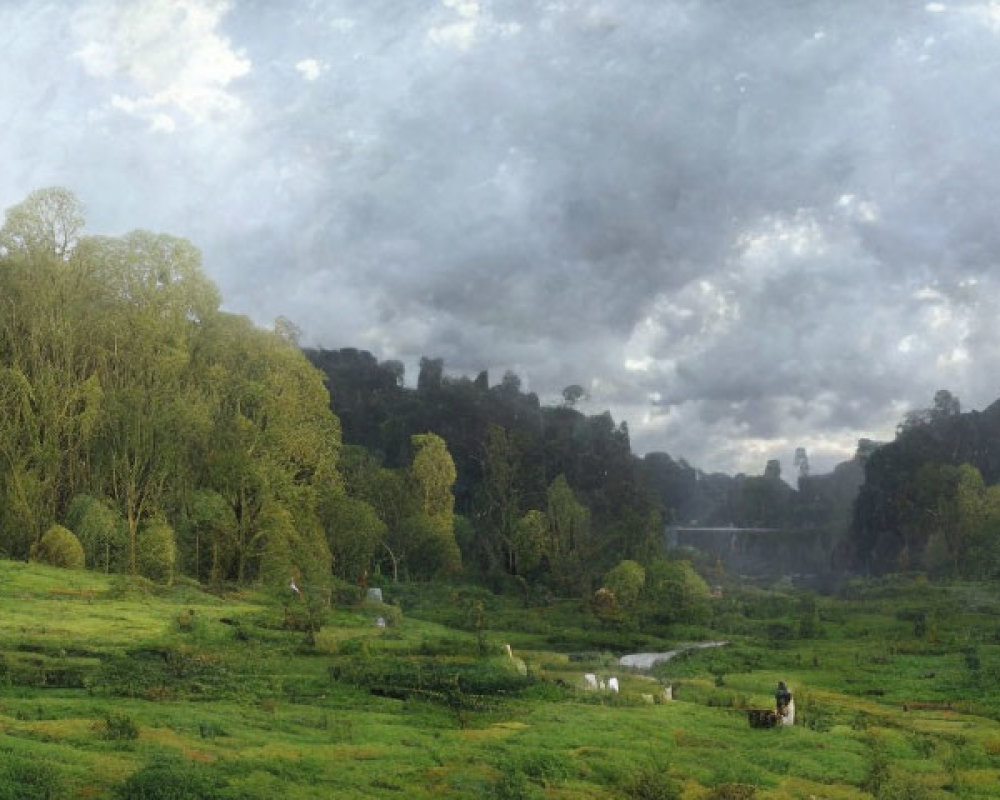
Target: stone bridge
(757, 552)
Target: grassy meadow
(111, 687)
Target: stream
(645, 661)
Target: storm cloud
(742, 228)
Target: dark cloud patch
(742, 229)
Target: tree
(531, 539)
(48, 360)
(432, 475)
(626, 581)
(354, 533)
(152, 412)
(772, 470)
(572, 395)
(801, 462)
(210, 528)
(157, 551)
(975, 544)
(945, 405)
(569, 533)
(510, 384)
(99, 529)
(431, 374)
(273, 444)
(49, 220)
(59, 548)
(674, 592)
(425, 552)
(500, 496)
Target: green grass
(115, 688)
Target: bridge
(759, 552)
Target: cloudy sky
(743, 227)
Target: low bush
(168, 780)
(156, 673)
(23, 779)
(650, 783)
(452, 682)
(514, 785)
(59, 548)
(733, 791)
(209, 730)
(899, 786)
(119, 727)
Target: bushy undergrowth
(28, 779)
(157, 672)
(119, 727)
(270, 722)
(650, 782)
(466, 683)
(171, 780)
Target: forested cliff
(930, 499)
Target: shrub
(650, 783)
(626, 581)
(21, 779)
(209, 730)
(605, 604)
(59, 548)
(119, 727)
(733, 791)
(166, 780)
(464, 684)
(512, 785)
(157, 551)
(899, 786)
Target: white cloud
(166, 57)
(310, 68)
(461, 35)
(469, 25)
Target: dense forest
(930, 499)
(508, 450)
(148, 432)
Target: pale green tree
(531, 539)
(48, 360)
(674, 592)
(59, 548)
(625, 581)
(354, 534)
(569, 536)
(426, 539)
(100, 530)
(274, 440)
(157, 551)
(500, 497)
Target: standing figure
(785, 704)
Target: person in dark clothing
(782, 698)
